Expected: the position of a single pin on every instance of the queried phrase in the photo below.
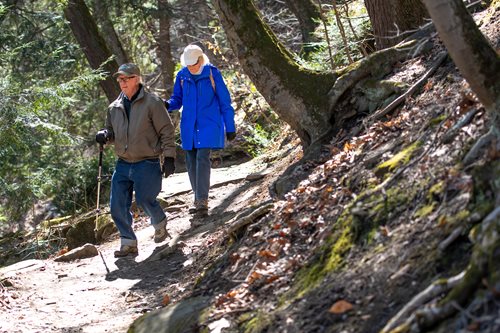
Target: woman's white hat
(191, 54)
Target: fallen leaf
(219, 300)
(166, 300)
(473, 327)
(268, 254)
(254, 276)
(428, 86)
(384, 230)
(272, 278)
(347, 146)
(340, 307)
(234, 258)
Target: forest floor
(274, 274)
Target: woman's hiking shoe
(200, 209)
(125, 250)
(161, 232)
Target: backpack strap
(212, 79)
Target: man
(141, 130)
(207, 119)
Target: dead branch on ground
(380, 113)
(245, 218)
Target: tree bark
(87, 35)
(469, 49)
(342, 31)
(101, 14)
(297, 95)
(308, 14)
(391, 18)
(475, 58)
(167, 64)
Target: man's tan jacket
(147, 134)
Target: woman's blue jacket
(207, 113)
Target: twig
(434, 290)
(450, 239)
(327, 37)
(466, 119)
(342, 31)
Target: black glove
(166, 104)
(168, 166)
(230, 135)
(103, 136)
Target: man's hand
(230, 136)
(168, 167)
(102, 137)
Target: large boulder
(83, 229)
(177, 318)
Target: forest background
(52, 103)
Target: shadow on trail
(206, 261)
(226, 203)
(153, 272)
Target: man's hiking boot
(201, 213)
(125, 250)
(161, 232)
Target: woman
(207, 117)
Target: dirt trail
(105, 294)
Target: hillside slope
(385, 213)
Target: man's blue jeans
(144, 178)
(198, 168)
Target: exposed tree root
(380, 113)
(479, 147)
(484, 263)
(377, 65)
(465, 120)
(434, 290)
(451, 238)
(246, 218)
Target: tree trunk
(297, 95)
(308, 15)
(101, 14)
(167, 64)
(86, 33)
(470, 50)
(391, 18)
(475, 58)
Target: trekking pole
(101, 149)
